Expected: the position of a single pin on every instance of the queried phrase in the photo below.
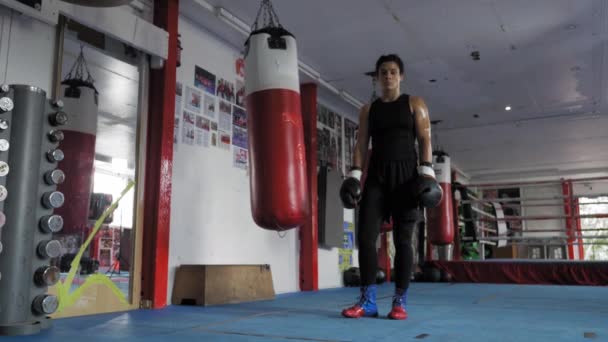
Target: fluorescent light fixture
(308, 70)
(351, 99)
(329, 86)
(233, 21)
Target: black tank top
(394, 158)
(392, 130)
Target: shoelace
(398, 300)
(362, 298)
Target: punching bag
(79, 135)
(279, 187)
(440, 222)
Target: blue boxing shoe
(366, 306)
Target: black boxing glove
(350, 191)
(428, 190)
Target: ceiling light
(507, 108)
(233, 21)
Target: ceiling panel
(546, 59)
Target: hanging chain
(269, 16)
(77, 69)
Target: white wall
(590, 189)
(329, 268)
(26, 51)
(211, 219)
(206, 227)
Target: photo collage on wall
(178, 108)
(335, 133)
(213, 113)
(329, 138)
(350, 138)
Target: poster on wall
(338, 124)
(202, 131)
(240, 158)
(209, 106)
(205, 80)
(176, 133)
(178, 98)
(224, 140)
(213, 126)
(225, 90)
(331, 119)
(239, 137)
(193, 100)
(333, 150)
(188, 128)
(239, 117)
(340, 166)
(239, 66)
(323, 142)
(345, 258)
(225, 121)
(349, 142)
(240, 93)
(330, 139)
(178, 110)
(322, 114)
(346, 252)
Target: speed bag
(278, 183)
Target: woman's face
(389, 75)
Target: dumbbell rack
(29, 138)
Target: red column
(309, 271)
(455, 218)
(159, 163)
(577, 227)
(568, 205)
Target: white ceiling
(547, 59)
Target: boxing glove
(350, 191)
(428, 190)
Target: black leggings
(405, 214)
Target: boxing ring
(530, 251)
(525, 271)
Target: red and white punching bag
(440, 221)
(279, 187)
(78, 146)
